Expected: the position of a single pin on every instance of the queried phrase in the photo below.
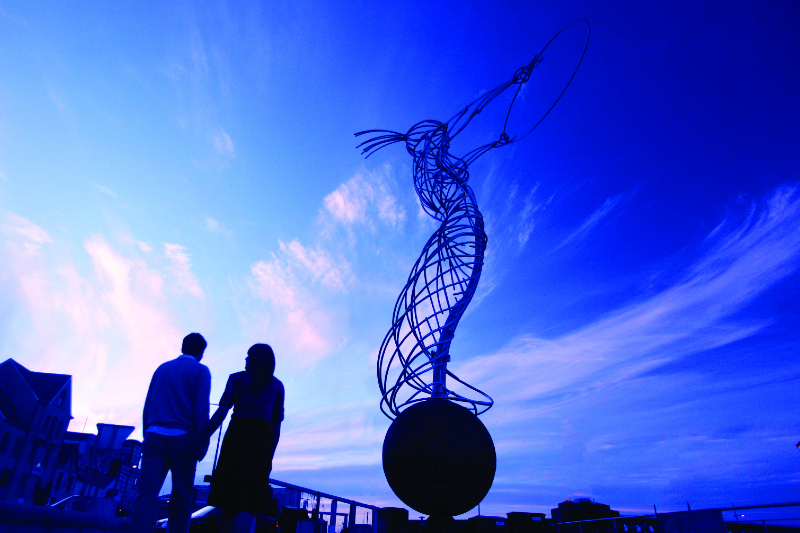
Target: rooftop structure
(35, 409)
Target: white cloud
(214, 226)
(109, 326)
(180, 269)
(33, 234)
(297, 282)
(331, 273)
(592, 221)
(104, 190)
(223, 144)
(693, 315)
(345, 437)
(364, 198)
(304, 284)
(303, 323)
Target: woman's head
(260, 361)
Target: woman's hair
(262, 362)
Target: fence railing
(349, 517)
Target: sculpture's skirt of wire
(439, 288)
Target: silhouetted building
(100, 466)
(35, 409)
(73, 458)
(582, 509)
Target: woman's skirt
(241, 479)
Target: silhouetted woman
(240, 484)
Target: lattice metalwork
(412, 362)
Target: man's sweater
(179, 395)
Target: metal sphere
(439, 458)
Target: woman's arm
(276, 429)
(216, 420)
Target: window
(4, 442)
(47, 454)
(18, 447)
(47, 423)
(34, 451)
(58, 431)
(5, 477)
(51, 428)
(71, 483)
(59, 479)
(22, 482)
(62, 397)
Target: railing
(349, 518)
(64, 501)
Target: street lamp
(798, 445)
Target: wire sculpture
(444, 278)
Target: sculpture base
(440, 524)
(439, 459)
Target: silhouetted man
(175, 411)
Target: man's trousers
(160, 454)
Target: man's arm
(202, 402)
(146, 410)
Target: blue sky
(167, 168)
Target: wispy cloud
(94, 324)
(592, 221)
(214, 226)
(693, 315)
(652, 394)
(60, 101)
(104, 190)
(304, 324)
(332, 273)
(32, 235)
(346, 438)
(305, 285)
(297, 282)
(223, 144)
(180, 269)
(364, 199)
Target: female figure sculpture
(444, 279)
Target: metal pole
(216, 453)
(439, 376)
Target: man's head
(194, 344)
